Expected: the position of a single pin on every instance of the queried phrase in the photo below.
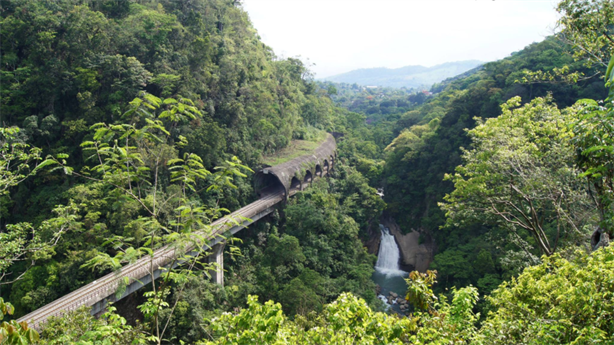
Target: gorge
(130, 129)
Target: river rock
(394, 294)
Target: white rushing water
(388, 274)
(389, 256)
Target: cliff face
(415, 256)
(375, 237)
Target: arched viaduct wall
(297, 173)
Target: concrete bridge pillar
(217, 257)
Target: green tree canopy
(520, 174)
(557, 302)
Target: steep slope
(429, 146)
(67, 65)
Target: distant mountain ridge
(408, 76)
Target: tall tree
(588, 25)
(520, 174)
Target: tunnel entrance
(318, 170)
(265, 184)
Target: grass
(295, 149)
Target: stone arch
(295, 185)
(308, 178)
(318, 170)
(267, 184)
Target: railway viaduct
(273, 185)
(297, 174)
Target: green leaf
(609, 74)
(44, 163)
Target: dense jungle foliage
(68, 65)
(430, 145)
(129, 125)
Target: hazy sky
(341, 35)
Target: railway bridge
(273, 185)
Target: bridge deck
(104, 289)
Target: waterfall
(388, 274)
(389, 255)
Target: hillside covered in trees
(126, 126)
(430, 145)
(408, 77)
